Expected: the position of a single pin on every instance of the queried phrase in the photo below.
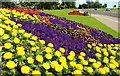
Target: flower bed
(27, 11)
(29, 47)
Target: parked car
(95, 8)
(107, 9)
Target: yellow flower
(116, 45)
(36, 73)
(82, 54)
(112, 61)
(72, 53)
(10, 64)
(81, 57)
(5, 36)
(34, 37)
(58, 68)
(6, 21)
(20, 52)
(48, 56)
(89, 46)
(100, 44)
(14, 33)
(84, 62)
(49, 74)
(7, 55)
(89, 69)
(109, 47)
(104, 50)
(104, 45)
(116, 64)
(73, 64)
(37, 47)
(107, 69)
(15, 26)
(99, 63)
(30, 60)
(116, 48)
(12, 22)
(48, 50)
(42, 42)
(19, 25)
(7, 45)
(39, 58)
(53, 64)
(106, 53)
(118, 72)
(32, 43)
(21, 31)
(93, 44)
(105, 60)
(62, 50)
(27, 35)
(112, 52)
(101, 71)
(33, 49)
(46, 65)
(62, 59)
(69, 57)
(8, 28)
(14, 30)
(64, 64)
(92, 60)
(50, 45)
(20, 48)
(97, 49)
(58, 53)
(77, 72)
(2, 31)
(25, 69)
(112, 57)
(112, 44)
(98, 55)
(79, 66)
(16, 40)
(112, 66)
(95, 65)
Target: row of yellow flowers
(22, 53)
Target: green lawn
(87, 20)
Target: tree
(85, 6)
(80, 6)
(8, 4)
(68, 3)
(105, 5)
(97, 4)
(114, 6)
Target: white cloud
(101, 1)
(108, 0)
(81, 1)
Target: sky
(110, 3)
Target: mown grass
(87, 20)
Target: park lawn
(87, 20)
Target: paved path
(110, 21)
(102, 12)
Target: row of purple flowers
(61, 39)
